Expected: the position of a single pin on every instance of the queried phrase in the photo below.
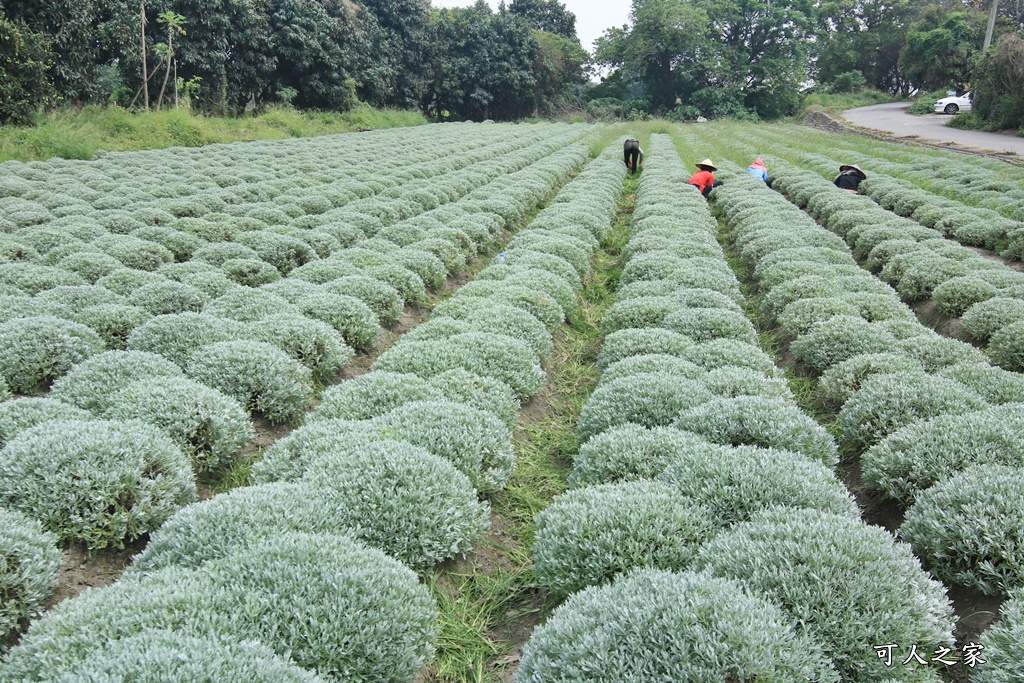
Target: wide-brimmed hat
(708, 164)
(855, 167)
(759, 164)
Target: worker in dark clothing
(849, 178)
(632, 154)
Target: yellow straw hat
(707, 164)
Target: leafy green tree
(941, 47)
(763, 42)
(308, 41)
(481, 65)
(549, 16)
(392, 40)
(998, 83)
(864, 36)
(558, 69)
(663, 50)
(81, 37)
(25, 59)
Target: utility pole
(991, 25)
(145, 70)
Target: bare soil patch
(81, 571)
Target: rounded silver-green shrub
(348, 315)
(652, 363)
(163, 298)
(124, 281)
(284, 252)
(631, 452)
(935, 352)
(260, 376)
(838, 339)
(984, 319)
(29, 564)
(767, 422)
(1004, 645)
(328, 602)
(20, 414)
(314, 343)
(848, 584)
(245, 304)
(955, 296)
(102, 482)
(383, 299)
(588, 536)
(113, 322)
(730, 353)
(923, 454)
(93, 383)
(647, 400)
(729, 382)
(655, 625)
(638, 342)
(639, 312)
(487, 315)
(534, 301)
(165, 656)
(967, 529)
(843, 380)
(706, 324)
(476, 442)
(734, 482)
(250, 272)
(177, 336)
(424, 510)
(996, 385)
(373, 394)
(491, 355)
(79, 296)
(800, 317)
(1006, 346)
(40, 349)
(484, 393)
(888, 402)
(208, 426)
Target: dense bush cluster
(29, 563)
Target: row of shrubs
(686, 543)
(975, 201)
(110, 452)
(288, 562)
(920, 264)
(947, 453)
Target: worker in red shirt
(704, 178)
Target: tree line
(676, 58)
(230, 55)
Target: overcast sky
(592, 16)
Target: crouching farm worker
(850, 177)
(632, 154)
(758, 170)
(704, 178)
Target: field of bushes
(471, 402)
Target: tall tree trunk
(167, 74)
(145, 70)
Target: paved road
(893, 118)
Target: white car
(954, 105)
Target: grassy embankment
(836, 104)
(82, 133)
